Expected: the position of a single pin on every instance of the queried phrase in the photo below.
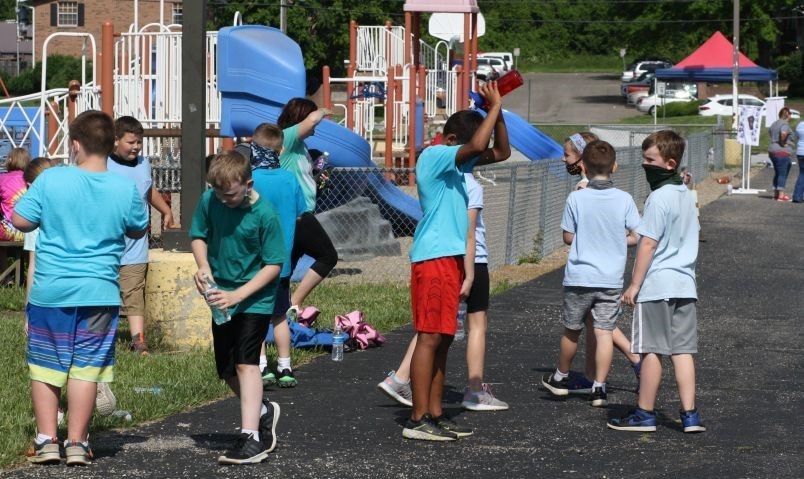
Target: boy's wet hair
(127, 124)
(295, 111)
(228, 167)
(598, 158)
(94, 130)
(18, 159)
(268, 135)
(463, 124)
(35, 167)
(669, 143)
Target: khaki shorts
(132, 289)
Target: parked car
(722, 105)
(497, 63)
(486, 72)
(643, 82)
(642, 65)
(632, 98)
(506, 57)
(648, 104)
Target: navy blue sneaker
(691, 421)
(579, 385)
(637, 420)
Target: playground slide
(534, 144)
(259, 70)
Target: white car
(506, 57)
(722, 105)
(647, 104)
(498, 64)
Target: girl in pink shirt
(12, 187)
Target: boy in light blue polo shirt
(663, 287)
(599, 223)
(439, 244)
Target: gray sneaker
(105, 401)
(399, 392)
(483, 400)
(425, 429)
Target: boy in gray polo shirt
(662, 289)
(596, 220)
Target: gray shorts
(603, 303)
(666, 326)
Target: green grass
(187, 379)
(572, 64)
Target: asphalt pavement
(335, 424)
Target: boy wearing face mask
(596, 220)
(663, 291)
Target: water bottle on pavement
(122, 414)
(220, 316)
(338, 338)
(460, 333)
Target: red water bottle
(505, 84)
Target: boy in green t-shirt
(237, 244)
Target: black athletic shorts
(478, 299)
(238, 341)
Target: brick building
(52, 16)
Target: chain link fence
(371, 213)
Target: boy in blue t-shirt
(599, 223)
(662, 288)
(439, 244)
(281, 188)
(125, 160)
(83, 214)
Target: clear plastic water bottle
(460, 333)
(122, 415)
(338, 338)
(220, 316)
(148, 390)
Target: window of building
(177, 13)
(67, 14)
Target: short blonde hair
(228, 167)
(268, 135)
(18, 159)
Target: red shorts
(435, 286)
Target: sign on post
(516, 56)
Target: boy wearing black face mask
(662, 288)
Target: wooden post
(350, 72)
(463, 101)
(459, 87)
(73, 88)
(326, 88)
(227, 143)
(107, 68)
(52, 127)
(474, 53)
(412, 118)
(409, 39)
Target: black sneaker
(426, 430)
(286, 379)
(268, 376)
(452, 427)
(557, 388)
(245, 451)
(598, 398)
(268, 425)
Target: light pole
(735, 72)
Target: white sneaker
(482, 401)
(105, 401)
(399, 392)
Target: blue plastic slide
(259, 70)
(534, 144)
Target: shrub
(60, 70)
(679, 109)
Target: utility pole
(193, 119)
(283, 16)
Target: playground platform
(335, 424)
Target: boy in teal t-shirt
(437, 280)
(84, 213)
(237, 243)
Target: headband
(578, 141)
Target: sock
(263, 362)
(263, 410)
(42, 438)
(596, 384)
(558, 375)
(399, 380)
(254, 434)
(282, 363)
